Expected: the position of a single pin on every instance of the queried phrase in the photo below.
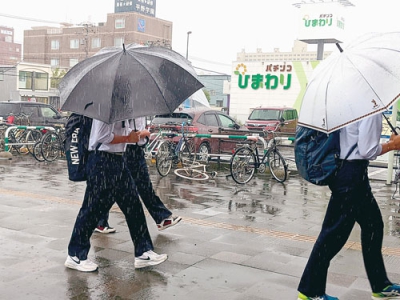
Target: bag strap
(348, 154)
(350, 151)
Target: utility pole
(187, 44)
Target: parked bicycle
(181, 154)
(247, 159)
(156, 138)
(50, 147)
(169, 153)
(22, 138)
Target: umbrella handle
(390, 124)
(145, 144)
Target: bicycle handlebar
(273, 131)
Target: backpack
(317, 154)
(76, 143)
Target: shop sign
(276, 75)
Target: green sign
(270, 80)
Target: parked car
(282, 119)
(40, 114)
(202, 121)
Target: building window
(73, 62)
(96, 43)
(25, 80)
(55, 45)
(54, 62)
(41, 81)
(118, 41)
(119, 23)
(74, 44)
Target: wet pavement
(243, 242)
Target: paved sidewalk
(235, 242)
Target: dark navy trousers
(138, 167)
(351, 201)
(140, 173)
(109, 181)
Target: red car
(202, 121)
(281, 119)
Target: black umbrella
(124, 83)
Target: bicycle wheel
(3, 129)
(14, 138)
(51, 146)
(191, 174)
(277, 165)
(186, 153)
(164, 158)
(37, 152)
(242, 165)
(32, 137)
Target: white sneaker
(149, 258)
(168, 222)
(106, 229)
(80, 265)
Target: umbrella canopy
(199, 99)
(349, 85)
(125, 83)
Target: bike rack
(6, 143)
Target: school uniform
(351, 201)
(109, 181)
(137, 165)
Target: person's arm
(133, 137)
(104, 133)
(369, 135)
(393, 144)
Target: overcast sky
(220, 28)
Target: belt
(355, 161)
(115, 153)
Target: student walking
(352, 201)
(137, 165)
(109, 180)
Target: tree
(56, 77)
(207, 94)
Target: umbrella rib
(145, 67)
(76, 78)
(380, 65)
(153, 77)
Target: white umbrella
(199, 98)
(349, 85)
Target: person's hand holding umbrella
(144, 137)
(392, 144)
(144, 133)
(133, 137)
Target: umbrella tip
(340, 48)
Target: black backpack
(317, 154)
(76, 143)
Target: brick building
(65, 46)
(10, 52)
